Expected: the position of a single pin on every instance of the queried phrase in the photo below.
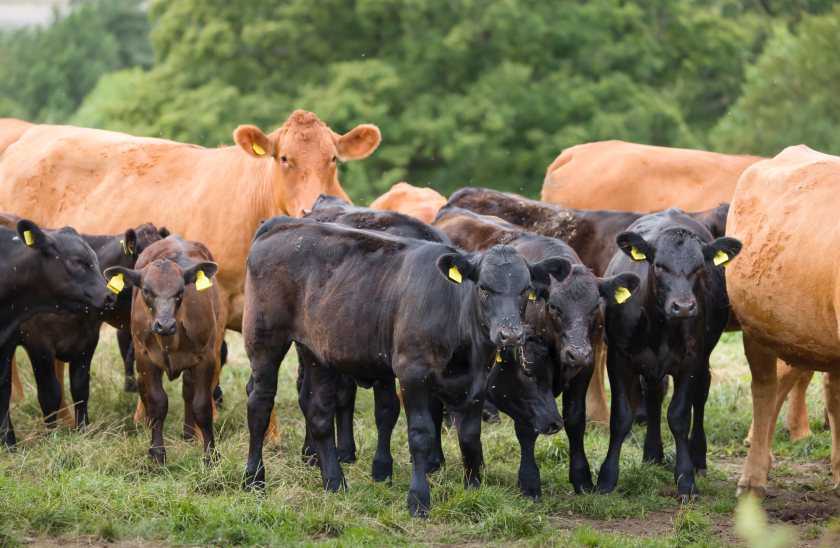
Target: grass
(101, 486)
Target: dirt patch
(653, 524)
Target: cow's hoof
(700, 472)
(254, 481)
(130, 385)
(158, 454)
(686, 498)
(436, 464)
(604, 488)
(309, 455)
(418, 505)
(347, 458)
(335, 485)
(382, 470)
(533, 492)
(211, 459)
(759, 491)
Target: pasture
(100, 486)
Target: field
(100, 487)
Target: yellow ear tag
(622, 294)
(637, 255)
(116, 283)
(258, 149)
(498, 357)
(532, 296)
(202, 282)
(455, 274)
(721, 258)
(27, 238)
(127, 250)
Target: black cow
(669, 327)
(375, 306)
(386, 403)
(41, 272)
(568, 326)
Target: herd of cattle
(487, 297)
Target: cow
(783, 288)
(568, 325)
(668, 327)
(176, 330)
(387, 406)
(64, 175)
(41, 272)
(428, 314)
(635, 177)
(590, 233)
(10, 131)
(73, 338)
(420, 203)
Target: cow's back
(420, 203)
(632, 177)
(783, 285)
(11, 129)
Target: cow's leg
(574, 417)
(621, 417)
(188, 392)
(764, 384)
(529, 472)
(797, 418)
(490, 414)
(265, 358)
(831, 384)
(436, 458)
(202, 406)
(653, 397)
(386, 409)
(304, 387)
(65, 414)
(679, 419)
(468, 425)
(80, 381)
(17, 386)
(218, 395)
(7, 432)
(787, 378)
(597, 409)
(318, 404)
(156, 404)
(345, 406)
(127, 353)
(49, 391)
(421, 433)
(697, 439)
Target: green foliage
(789, 94)
(49, 71)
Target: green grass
(101, 486)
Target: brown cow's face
(162, 284)
(304, 155)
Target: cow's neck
(22, 297)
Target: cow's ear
(456, 268)
(200, 275)
(635, 247)
(542, 272)
(32, 235)
(129, 243)
(721, 251)
(358, 143)
(164, 232)
(118, 277)
(619, 288)
(253, 141)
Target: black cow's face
(504, 281)
(678, 260)
(162, 284)
(521, 385)
(71, 269)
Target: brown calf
(176, 329)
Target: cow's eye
(146, 292)
(334, 159)
(179, 298)
(483, 291)
(660, 267)
(284, 159)
(528, 372)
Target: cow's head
(521, 385)
(125, 249)
(503, 282)
(302, 158)
(678, 261)
(69, 268)
(575, 314)
(162, 284)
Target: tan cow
(785, 287)
(10, 131)
(97, 181)
(633, 177)
(420, 203)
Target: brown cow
(102, 181)
(633, 177)
(175, 327)
(420, 203)
(784, 287)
